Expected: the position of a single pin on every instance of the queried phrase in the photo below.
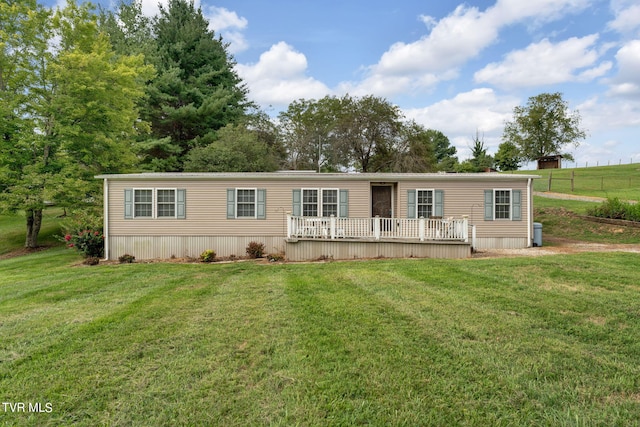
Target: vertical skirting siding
(305, 250)
(483, 243)
(164, 247)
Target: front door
(381, 201)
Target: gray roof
(312, 176)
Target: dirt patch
(558, 246)
(23, 251)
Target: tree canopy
(71, 108)
(543, 127)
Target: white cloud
(598, 116)
(455, 39)
(279, 77)
(228, 24)
(546, 63)
(461, 116)
(627, 16)
(151, 7)
(627, 82)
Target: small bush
(83, 232)
(616, 209)
(126, 259)
(91, 261)
(255, 250)
(88, 242)
(275, 257)
(208, 255)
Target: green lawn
(516, 341)
(13, 230)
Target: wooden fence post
(572, 179)
(549, 186)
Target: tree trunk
(34, 222)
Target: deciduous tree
(72, 110)
(543, 127)
(508, 157)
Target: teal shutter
(516, 205)
(262, 204)
(181, 198)
(343, 210)
(297, 202)
(438, 203)
(231, 203)
(488, 205)
(411, 203)
(128, 203)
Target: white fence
(378, 228)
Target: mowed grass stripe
(546, 341)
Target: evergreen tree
(196, 91)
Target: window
(246, 203)
(166, 203)
(246, 206)
(329, 202)
(143, 203)
(310, 202)
(424, 203)
(321, 202)
(154, 203)
(502, 204)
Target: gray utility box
(537, 234)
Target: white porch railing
(378, 228)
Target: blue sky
(458, 67)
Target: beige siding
(206, 225)
(467, 198)
(206, 208)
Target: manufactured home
(307, 215)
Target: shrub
(91, 260)
(255, 250)
(616, 209)
(90, 243)
(275, 257)
(83, 232)
(208, 255)
(126, 259)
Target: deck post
(332, 226)
(465, 228)
(289, 225)
(421, 228)
(473, 237)
(376, 227)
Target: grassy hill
(13, 230)
(621, 181)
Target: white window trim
(319, 203)
(255, 203)
(433, 200)
(510, 190)
(302, 203)
(155, 204)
